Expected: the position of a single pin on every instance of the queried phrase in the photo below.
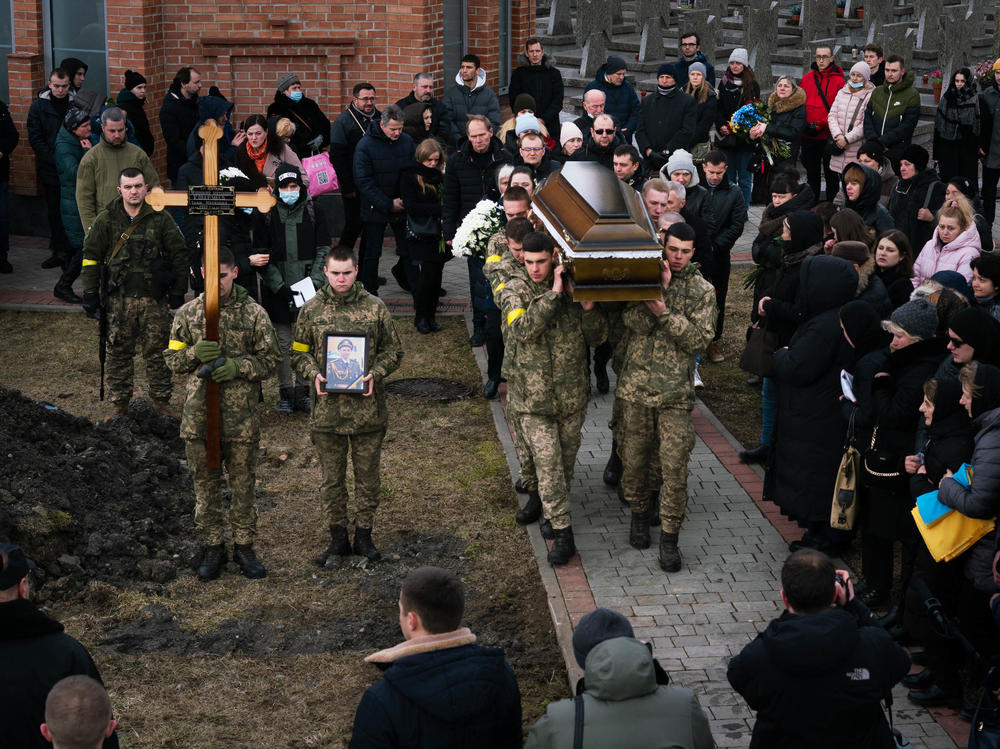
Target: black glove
(176, 300)
(91, 303)
(287, 296)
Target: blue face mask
(295, 95)
(289, 198)
(852, 84)
(247, 211)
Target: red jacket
(831, 81)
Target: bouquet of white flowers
(479, 224)
(230, 173)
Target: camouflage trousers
(366, 454)
(554, 442)
(240, 461)
(526, 464)
(134, 322)
(644, 432)
(283, 331)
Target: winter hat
(524, 101)
(596, 627)
(976, 326)
(988, 266)
(967, 186)
(614, 64)
(680, 161)
(74, 118)
(855, 252)
(740, 55)
(987, 397)
(287, 80)
(873, 150)
(14, 566)
(698, 67)
(918, 318)
(863, 327)
(569, 130)
(286, 173)
(806, 230)
(916, 155)
(133, 79)
(526, 122)
(667, 68)
(862, 67)
(996, 65)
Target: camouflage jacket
(247, 336)
(550, 333)
(499, 268)
(658, 370)
(131, 270)
(357, 311)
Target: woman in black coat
(736, 88)
(957, 124)
(894, 266)
(420, 184)
(809, 433)
(788, 121)
(706, 103)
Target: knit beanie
(286, 173)
(976, 327)
(698, 67)
(987, 265)
(987, 395)
(862, 67)
(288, 79)
(526, 122)
(918, 318)
(133, 79)
(873, 150)
(916, 155)
(681, 161)
(856, 252)
(567, 131)
(740, 55)
(667, 68)
(522, 102)
(596, 627)
(614, 64)
(74, 118)
(996, 65)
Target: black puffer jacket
(421, 204)
(908, 197)
(545, 84)
(134, 109)
(308, 119)
(725, 213)
(377, 160)
(178, 116)
(469, 178)
(868, 204)
(729, 101)
(704, 117)
(44, 123)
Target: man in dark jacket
(312, 128)
(893, 110)
(690, 54)
(377, 160)
(423, 93)
(439, 688)
(45, 117)
(817, 674)
(593, 105)
(621, 101)
(178, 116)
(132, 99)
(666, 119)
(346, 133)
(470, 95)
(9, 138)
(600, 142)
(538, 76)
(821, 84)
(35, 653)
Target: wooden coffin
(603, 231)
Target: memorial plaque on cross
(211, 200)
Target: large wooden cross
(211, 200)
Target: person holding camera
(817, 674)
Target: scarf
(958, 111)
(259, 156)
(730, 81)
(669, 91)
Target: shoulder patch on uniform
(298, 346)
(176, 345)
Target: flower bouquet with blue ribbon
(749, 115)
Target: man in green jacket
(549, 380)
(657, 391)
(893, 110)
(342, 420)
(146, 261)
(249, 350)
(97, 176)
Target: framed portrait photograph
(345, 362)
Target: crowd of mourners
(876, 292)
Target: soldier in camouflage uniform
(549, 376)
(143, 273)
(657, 391)
(342, 420)
(250, 348)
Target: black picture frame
(345, 375)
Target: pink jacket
(956, 256)
(841, 112)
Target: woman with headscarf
(862, 188)
(916, 197)
(956, 128)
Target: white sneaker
(697, 378)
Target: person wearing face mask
(954, 246)
(847, 120)
(666, 119)
(295, 236)
(132, 99)
(957, 125)
(312, 127)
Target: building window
(6, 47)
(78, 30)
(503, 47)
(455, 39)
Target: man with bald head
(593, 105)
(78, 714)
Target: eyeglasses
(604, 132)
(956, 342)
(689, 44)
(532, 149)
(823, 57)
(365, 98)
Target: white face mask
(856, 85)
(289, 197)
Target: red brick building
(244, 47)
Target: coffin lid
(591, 213)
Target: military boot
(638, 535)
(613, 470)
(286, 400)
(363, 545)
(212, 559)
(563, 547)
(249, 565)
(670, 555)
(64, 293)
(118, 408)
(531, 511)
(654, 508)
(545, 528)
(163, 408)
(302, 400)
(339, 545)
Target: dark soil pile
(110, 502)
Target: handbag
(880, 465)
(984, 733)
(322, 177)
(758, 354)
(423, 227)
(831, 148)
(953, 534)
(844, 508)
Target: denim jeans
(739, 166)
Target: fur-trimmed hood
(797, 99)
(865, 272)
(425, 644)
(548, 61)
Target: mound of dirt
(110, 502)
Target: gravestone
(593, 33)
(652, 22)
(929, 34)
(877, 14)
(897, 39)
(819, 19)
(616, 13)
(957, 30)
(760, 30)
(560, 18)
(996, 30)
(717, 8)
(704, 23)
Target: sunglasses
(956, 342)
(604, 132)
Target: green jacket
(131, 270)
(892, 112)
(659, 362)
(551, 333)
(359, 312)
(97, 177)
(624, 707)
(247, 336)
